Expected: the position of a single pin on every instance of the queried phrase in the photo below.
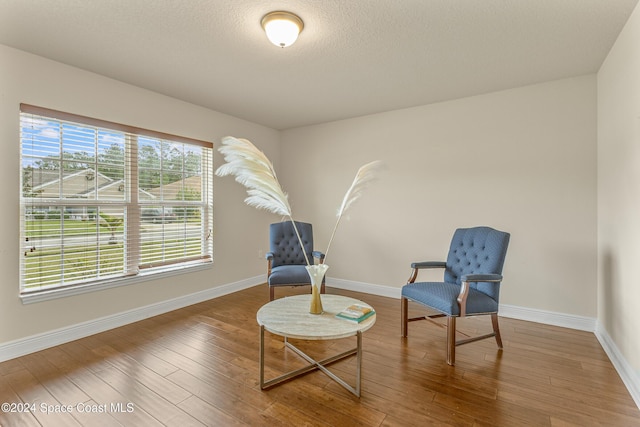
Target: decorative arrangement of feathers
(255, 171)
(364, 176)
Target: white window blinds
(103, 201)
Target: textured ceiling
(354, 57)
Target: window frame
(132, 210)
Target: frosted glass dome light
(282, 28)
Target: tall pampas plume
(255, 171)
(363, 178)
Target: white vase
(316, 274)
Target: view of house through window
(102, 201)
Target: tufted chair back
(478, 250)
(285, 245)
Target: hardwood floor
(199, 366)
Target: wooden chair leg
(271, 293)
(322, 288)
(404, 310)
(496, 329)
(451, 340)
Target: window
(103, 203)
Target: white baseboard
(629, 376)
(23, 346)
(563, 320)
(367, 288)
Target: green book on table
(356, 313)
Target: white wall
(619, 193)
(521, 160)
(26, 78)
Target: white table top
(290, 317)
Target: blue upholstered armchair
(286, 261)
(471, 286)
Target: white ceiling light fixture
(282, 28)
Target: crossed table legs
(314, 364)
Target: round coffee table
(289, 317)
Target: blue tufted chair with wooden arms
(471, 286)
(286, 261)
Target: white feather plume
(363, 178)
(255, 171)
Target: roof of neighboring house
(170, 191)
(47, 181)
(46, 177)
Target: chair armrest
(429, 264)
(481, 278)
(319, 255)
(269, 257)
(416, 266)
(464, 288)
